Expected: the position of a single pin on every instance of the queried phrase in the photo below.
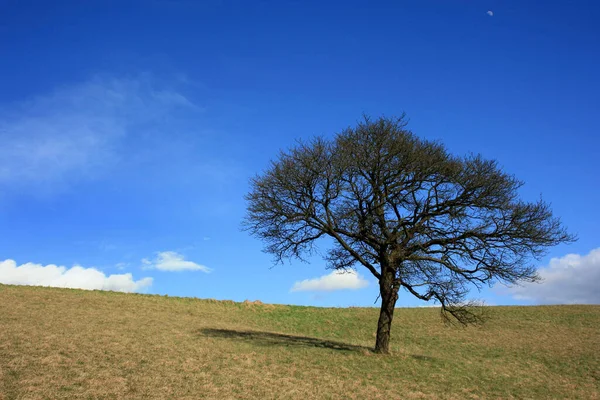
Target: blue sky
(129, 130)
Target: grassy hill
(61, 343)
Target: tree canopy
(404, 208)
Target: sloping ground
(60, 343)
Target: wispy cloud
(173, 261)
(336, 280)
(572, 279)
(122, 265)
(76, 277)
(77, 130)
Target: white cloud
(78, 130)
(337, 280)
(490, 13)
(76, 277)
(173, 261)
(572, 279)
(122, 265)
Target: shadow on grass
(279, 339)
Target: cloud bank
(76, 277)
(337, 280)
(173, 261)
(572, 279)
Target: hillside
(61, 343)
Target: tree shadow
(279, 339)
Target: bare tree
(415, 216)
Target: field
(62, 343)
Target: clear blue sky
(129, 129)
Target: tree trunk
(389, 296)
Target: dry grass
(60, 343)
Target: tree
(415, 216)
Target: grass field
(61, 343)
